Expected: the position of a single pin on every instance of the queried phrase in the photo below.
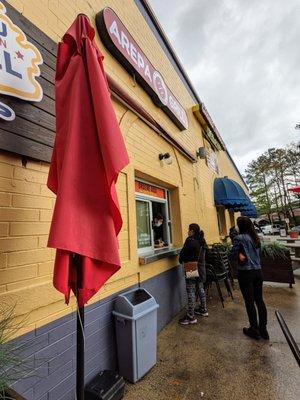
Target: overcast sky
(243, 57)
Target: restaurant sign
(19, 65)
(122, 45)
(210, 122)
(212, 160)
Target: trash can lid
(135, 302)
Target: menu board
(150, 190)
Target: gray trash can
(135, 314)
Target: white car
(271, 229)
(276, 229)
(266, 229)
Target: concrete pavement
(213, 360)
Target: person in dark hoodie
(246, 253)
(194, 250)
(158, 230)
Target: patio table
(288, 239)
(296, 247)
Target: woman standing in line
(246, 253)
(194, 251)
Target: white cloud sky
(244, 61)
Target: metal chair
(224, 254)
(217, 268)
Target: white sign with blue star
(19, 65)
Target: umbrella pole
(80, 338)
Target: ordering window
(232, 219)
(221, 220)
(152, 217)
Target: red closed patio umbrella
(89, 152)
(295, 189)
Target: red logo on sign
(160, 87)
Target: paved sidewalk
(213, 360)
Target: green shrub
(222, 246)
(12, 367)
(274, 250)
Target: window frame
(221, 217)
(147, 249)
(168, 223)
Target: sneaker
(201, 311)
(187, 320)
(264, 333)
(252, 333)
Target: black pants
(251, 283)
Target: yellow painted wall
(26, 204)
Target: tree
(256, 177)
(269, 177)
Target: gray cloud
(243, 58)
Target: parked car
(263, 222)
(267, 229)
(271, 229)
(276, 229)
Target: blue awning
(229, 193)
(249, 214)
(243, 207)
(249, 211)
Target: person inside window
(194, 250)
(246, 253)
(158, 229)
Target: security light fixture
(297, 126)
(166, 157)
(201, 153)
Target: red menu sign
(122, 45)
(150, 190)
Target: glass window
(221, 221)
(169, 216)
(143, 216)
(232, 219)
(153, 217)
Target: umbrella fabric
(229, 193)
(88, 154)
(295, 189)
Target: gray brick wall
(49, 353)
(169, 291)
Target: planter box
(11, 394)
(278, 269)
